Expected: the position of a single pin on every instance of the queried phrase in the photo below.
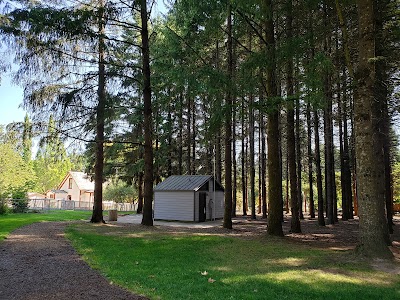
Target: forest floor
(342, 236)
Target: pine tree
(370, 168)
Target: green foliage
(4, 209)
(192, 266)
(120, 192)
(51, 163)
(20, 205)
(16, 177)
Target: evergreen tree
(374, 235)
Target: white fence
(53, 204)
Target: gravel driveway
(38, 262)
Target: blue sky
(10, 101)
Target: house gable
(77, 186)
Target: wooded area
(292, 101)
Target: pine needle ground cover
(166, 264)
(11, 222)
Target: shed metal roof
(183, 183)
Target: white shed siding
(174, 205)
(219, 204)
(196, 207)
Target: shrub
(119, 192)
(3, 207)
(20, 205)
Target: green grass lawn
(163, 265)
(11, 222)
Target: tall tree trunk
(234, 186)
(275, 182)
(321, 218)
(252, 150)
(342, 119)
(189, 135)
(287, 189)
(328, 130)
(329, 164)
(97, 215)
(243, 161)
(228, 130)
(280, 160)
(346, 160)
(147, 124)
(381, 87)
(310, 161)
(139, 209)
(170, 146)
(298, 146)
(234, 135)
(193, 145)
(374, 234)
(298, 160)
(180, 135)
(263, 168)
(291, 140)
(218, 150)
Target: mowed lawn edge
(10, 222)
(174, 265)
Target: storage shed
(189, 198)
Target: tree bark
(275, 182)
(321, 218)
(243, 162)
(180, 135)
(97, 215)
(291, 139)
(147, 124)
(234, 187)
(373, 233)
(341, 120)
(234, 135)
(381, 87)
(188, 135)
(310, 162)
(228, 131)
(139, 209)
(252, 151)
(263, 168)
(328, 130)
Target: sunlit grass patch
(165, 265)
(11, 222)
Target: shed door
(202, 207)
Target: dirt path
(37, 262)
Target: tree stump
(112, 215)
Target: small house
(191, 198)
(78, 187)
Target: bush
(20, 205)
(3, 208)
(119, 192)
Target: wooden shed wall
(174, 205)
(219, 205)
